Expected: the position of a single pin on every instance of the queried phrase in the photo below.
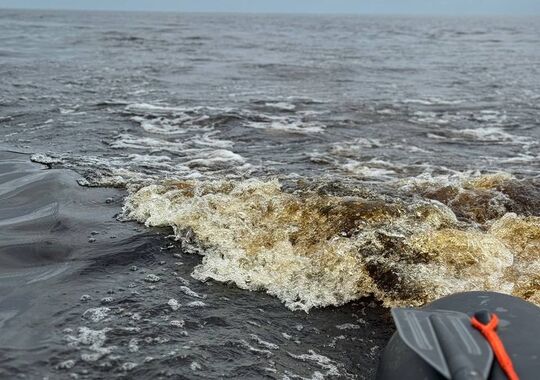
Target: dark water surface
(79, 299)
(319, 159)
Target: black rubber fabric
(519, 329)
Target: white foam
(417, 101)
(288, 125)
(126, 140)
(92, 341)
(266, 352)
(215, 158)
(195, 112)
(355, 146)
(281, 106)
(152, 161)
(520, 158)
(196, 304)
(67, 111)
(43, 158)
(347, 156)
(133, 345)
(492, 134)
(152, 278)
(187, 291)
(66, 364)
(158, 110)
(128, 366)
(173, 304)
(430, 117)
(160, 125)
(265, 344)
(207, 140)
(96, 314)
(433, 101)
(369, 172)
(177, 323)
(348, 326)
(331, 368)
(492, 116)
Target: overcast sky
(291, 6)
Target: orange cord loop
(489, 332)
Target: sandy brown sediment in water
(314, 248)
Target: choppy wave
(407, 239)
(359, 158)
(168, 120)
(433, 101)
(326, 245)
(490, 134)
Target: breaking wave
(328, 244)
(321, 236)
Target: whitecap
(287, 125)
(215, 158)
(96, 314)
(92, 342)
(281, 106)
(265, 344)
(492, 134)
(187, 291)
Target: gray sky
(292, 6)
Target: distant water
(320, 159)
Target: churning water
(344, 162)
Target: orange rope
(490, 333)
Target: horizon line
(321, 13)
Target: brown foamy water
(312, 248)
